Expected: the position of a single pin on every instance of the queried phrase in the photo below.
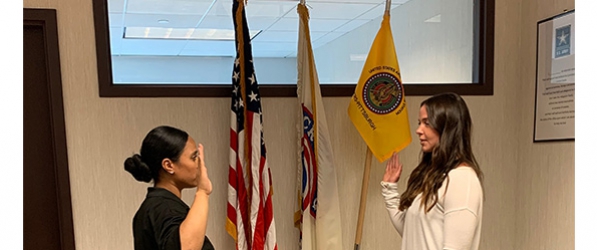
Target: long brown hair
(449, 116)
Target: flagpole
(363, 204)
(388, 3)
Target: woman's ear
(168, 166)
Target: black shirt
(156, 224)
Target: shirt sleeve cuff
(389, 191)
(389, 185)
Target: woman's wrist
(201, 192)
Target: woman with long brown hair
(442, 206)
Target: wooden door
(47, 212)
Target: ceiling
(277, 20)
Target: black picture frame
(537, 77)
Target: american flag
(250, 218)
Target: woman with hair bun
(173, 161)
(442, 206)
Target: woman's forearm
(193, 228)
(391, 197)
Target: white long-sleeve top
(454, 223)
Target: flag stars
(252, 79)
(236, 62)
(238, 103)
(253, 96)
(235, 77)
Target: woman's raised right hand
(204, 181)
(393, 169)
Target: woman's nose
(419, 131)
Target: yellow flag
(378, 106)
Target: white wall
(529, 187)
(545, 204)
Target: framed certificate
(554, 79)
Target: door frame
(46, 20)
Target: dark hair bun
(137, 168)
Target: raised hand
(393, 169)
(204, 181)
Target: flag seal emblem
(382, 93)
